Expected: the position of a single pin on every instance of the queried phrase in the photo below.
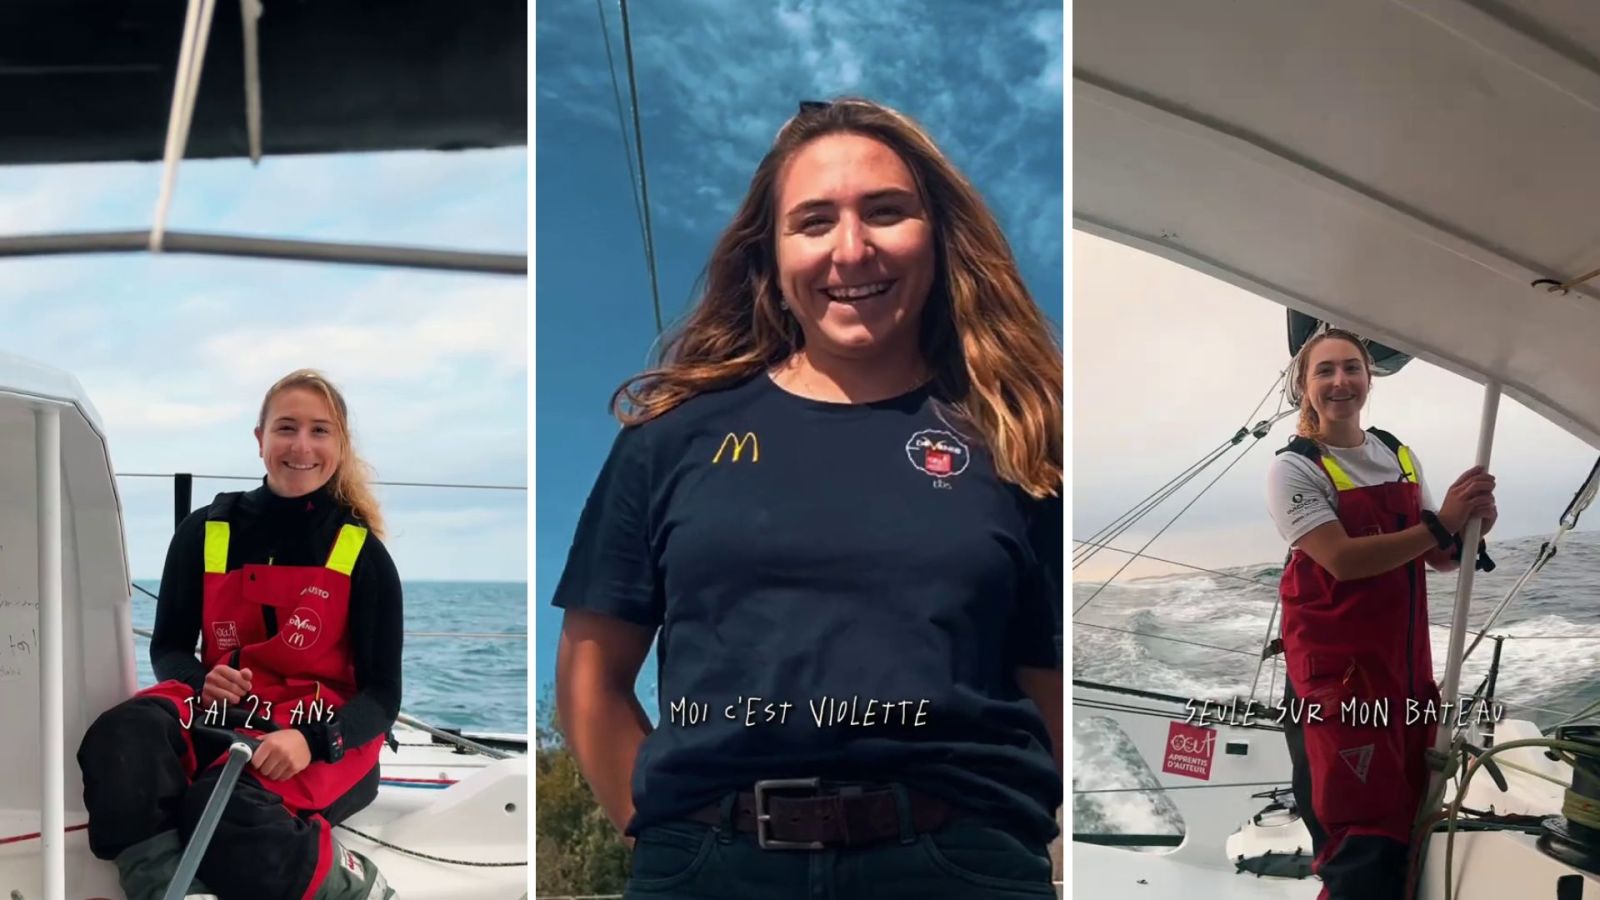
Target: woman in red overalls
(296, 607)
(1356, 509)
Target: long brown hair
(351, 484)
(1310, 425)
(996, 364)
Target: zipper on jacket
(269, 614)
(1411, 624)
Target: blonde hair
(995, 360)
(351, 484)
(1310, 425)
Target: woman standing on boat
(1355, 508)
(297, 608)
(838, 500)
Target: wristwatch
(1441, 535)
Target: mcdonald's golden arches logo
(739, 444)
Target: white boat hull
(434, 800)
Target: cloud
(389, 330)
(718, 80)
(42, 199)
(1046, 28)
(149, 407)
(175, 351)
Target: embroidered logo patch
(302, 629)
(1359, 759)
(939, 454)
(739, 444)
(225, 635)
(353, 863)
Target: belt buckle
(763, 818)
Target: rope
(1477, 763)
(622, 128)
(1508, 764)
(428, 484)
(185, 89)
(644, 181)
(1581, 809)
(431, 858)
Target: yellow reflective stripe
(1341, 481)
(347, 548)
(1406, 465)
(216, 548)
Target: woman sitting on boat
(297, 608)
(838, 501)
(1354, 506)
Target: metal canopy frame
(240, 246)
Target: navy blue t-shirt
(862, 564)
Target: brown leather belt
(844, 816)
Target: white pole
(52, 740)
(1458, 622)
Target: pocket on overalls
(1354, 747)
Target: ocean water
(1549, 665)
(470, 683)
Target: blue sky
(175, 352)
(716, 80)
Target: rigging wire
(644, 181)
(1114, 529)
(1122, 523)
(1173, 562)
(1169, 524)
(622, 126)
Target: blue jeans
(964, 860)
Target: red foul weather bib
(1356, 649)
(303, 673)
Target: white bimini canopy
(1404, 168)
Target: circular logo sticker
(302, 629)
